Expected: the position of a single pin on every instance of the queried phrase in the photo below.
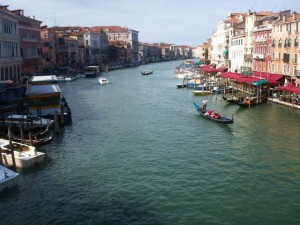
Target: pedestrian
(204, 104)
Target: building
(117, 33)
(262, 38)
(10, 56)
(221, 39)
(48, 48)
(250, 21)
(237, 47)
(285, 43)
(30, 44)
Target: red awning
(290, 89)
(272, 78)
(209, 69)
(231, 75)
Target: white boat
(103, 81)
(28, 121)
(26, 156)
(201, 92)
(8, 178)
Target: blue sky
(179, 22)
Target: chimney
(294, 15)
(283, 18)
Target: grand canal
(137, 152)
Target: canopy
(272, 78)
(290, 89)
(199, 63)
(231, 75)
(255, 79)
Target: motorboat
(25, 155)
(103, 81)
(8, 178)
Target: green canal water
(138, 153)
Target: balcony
(297, 73)
(247, 57)
(259, 56)
(260, 39)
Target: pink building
(262, 40)
(30, 41)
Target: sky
(179, 22)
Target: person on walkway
(204, 104)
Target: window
(279, 43)
(296, 42)
(296, 59)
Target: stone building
(10, 56)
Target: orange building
(285, 44)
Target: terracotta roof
(265, 13)
(289, 19)
(111, 29)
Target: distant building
(117, 33)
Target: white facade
(220, 42)
(236, 53)
(198, 52)
(93, 47)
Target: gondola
(35, 139)
(249, 102)
(146, 73)
(209, 114)
(230, 100)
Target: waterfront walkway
(276, 100)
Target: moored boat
(201, 92)
(25, 155)
(8, 178)
(230, 99)
(250, 101)
(209, 114)
(28, 122)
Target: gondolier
(204, 104)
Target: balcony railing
(247, 57)
(259, 56)
(297, 73)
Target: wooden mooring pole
(62, 114)
(56, 123)
(11, 148)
